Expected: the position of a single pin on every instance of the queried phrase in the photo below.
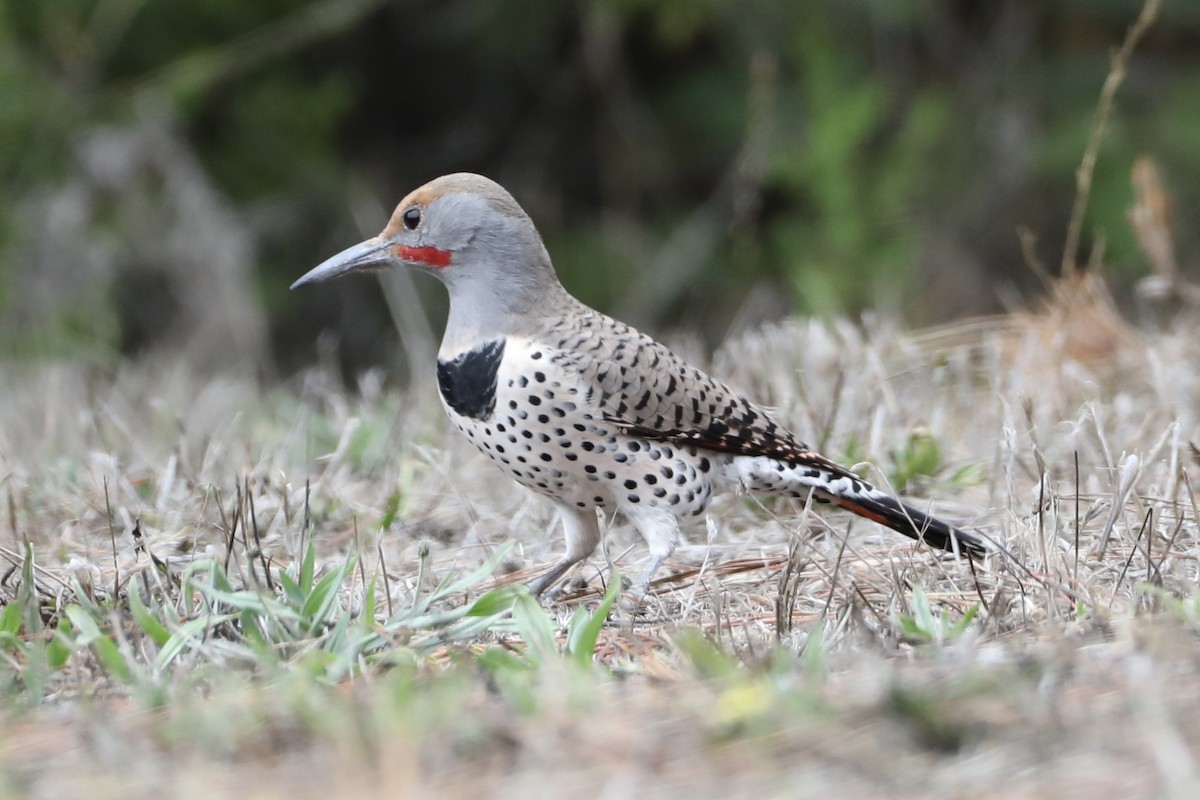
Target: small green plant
(1184, 607)
(921, 624)
(520, 672)
(302, 623)
(29, 654)
(921, 457)
(708, 660)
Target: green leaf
(336, 641)
(103, 645)
(246, 600)
(458, 629)
(59, 649)
(584, 630)
(921, 456)
(368, 614)
(10, 619)
(497, 660)
(187, 634)
(27, 596)
(922, 613)
(910, 628)
(707, 659)
(390, 510)
(308, 568)
(535, 628)
(113, 659)
(815, 658)
(514, 675)
(923, 624)
(291, 589)
(959, 627)
(972, 474)
(88, 630)
(255, 627)
(495, 601)
(319, 604)
(484, 570)
(405, 621)
(144, 619)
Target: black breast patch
(468, 381)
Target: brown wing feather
(646, 390)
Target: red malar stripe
(429, 256)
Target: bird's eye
(412, 218)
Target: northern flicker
(582, 408)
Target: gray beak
(371, 253)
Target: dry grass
(1077, 675)
(162, 631)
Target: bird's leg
(581, 529)
(660, 528)
(638, 590)
(548, 578)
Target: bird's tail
(807, 472)
(888, 511)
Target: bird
(585, 409)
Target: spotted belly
(540, 429)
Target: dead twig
(1087, 167)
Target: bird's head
(463, 228)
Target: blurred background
(169, 168)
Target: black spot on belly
(468, 381)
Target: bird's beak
(365, 255)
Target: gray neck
(493, 299)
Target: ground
(214, 587)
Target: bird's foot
(633, 595)
(539, 585)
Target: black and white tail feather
(902, 518)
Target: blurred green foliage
(676, 154)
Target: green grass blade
(495, 601)
(86, 627)
(320, 602)
(535, 628)
(958, 628)
(308, 568)
(149, 624)
(250, 601)
(27, 596)
(187, 634)
(58, 651)
(584, 630)
(476, 577)
(923, 614)
(10, 619)
(368, 614)
(291, 589)
(113, 659)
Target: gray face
(450, 223)
(449, 214)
